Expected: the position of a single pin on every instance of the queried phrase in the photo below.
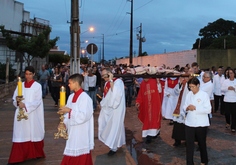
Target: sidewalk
(54, 148)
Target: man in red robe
(149, 104)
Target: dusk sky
(171, 25)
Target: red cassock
(150, 105)
(85, 159)
(162, 90)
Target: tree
(84, 60)
(213, 31)
(35, 46)
(143, 54)
(3, 72)
(57, 58)
(218, 43)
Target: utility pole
(75, 36)
(131, 35)
(140, 41)
(100, 53)
(103, 49)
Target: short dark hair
(194, 81)
(77, 78)
(108, 70)
(30, 69)
(194, 64)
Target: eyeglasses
(190, 87)
(205, 77)
(105, 76)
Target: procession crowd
(187, 102)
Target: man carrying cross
(149, 105)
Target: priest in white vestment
(79, 123)
(28, 134)
(111, 130)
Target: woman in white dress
(229, 87)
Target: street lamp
(90, 29)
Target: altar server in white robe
(111, 130)
(79, 123)
(170, 99)
(28, 134)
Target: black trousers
(200, 133)
(230, 112)
(55, 92)
(217, 100)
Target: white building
(18, 22)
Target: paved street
(53, 148)
(220, 141)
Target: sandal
(227, 126)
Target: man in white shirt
(218, 81)
(207, 85)
(196, 70)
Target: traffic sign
(89, 48)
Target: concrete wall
(169, 59)
(216, 57)
(7, 89)
(12, 14)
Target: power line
(83, 6)
(119, 16)
(117, 28)
(115, 34)
(115, 16)
(143, 5)
(66, 10)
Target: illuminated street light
(90, 29)
(82, 51)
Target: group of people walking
(186, 102)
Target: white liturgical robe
(31, 129)
(169, 103)
(79, 125)
(111, 129)
(181, 117)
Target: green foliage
(214, 31)
(3, 72)
(36, 46)
(84, 60)
(218, 43)
(58, 58)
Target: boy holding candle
(78, 121)
(28, 134)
